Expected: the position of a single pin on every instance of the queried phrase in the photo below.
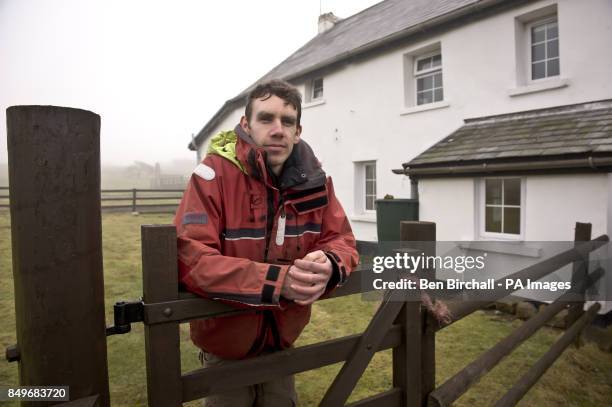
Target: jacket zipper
(269, 315)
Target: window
(544, 40)
(537, 51)
(317, 89)
(502, 206)
(370, 186)
(314, 90)
(365, 187)
(428, 77)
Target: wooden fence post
(580, 270)
(133, 199)
(414, 369)
(54, 172)
(162, 341)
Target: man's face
(273, 126)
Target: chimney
(327, 21)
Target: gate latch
(125, 313)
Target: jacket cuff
(338, 277)
(273, 284)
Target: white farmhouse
(499, 111)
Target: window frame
(483, 206)
(313, 88)
(365, 186)
(360, 188)
(528, 48)
(432, 71)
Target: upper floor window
(544, 49)
(317, 89)
(314, 90)
(428, 77)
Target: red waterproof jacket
(239, 231)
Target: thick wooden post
(162, 341)
(54, 173)
(580, 270)
(414, 369)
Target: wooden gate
(403, 326)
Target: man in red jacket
(260, 227)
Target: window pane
(437, 80)
(512, 191)
(538, 70)
(493, 219)
(424, 97)
(370, 188)
(493, 192)
(512, 220)
(552, 30)
(420, 84)
(552, 49)
(424, 83)
(424, 63)
(537, 33)
(370, 203)
(538, 52)
(437, 60)
(370, 171)
(438, 95)
(553, 67)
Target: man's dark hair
(276, 87)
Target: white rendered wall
(450, 204)
(365, 118)
(556, 203)
(553, 204)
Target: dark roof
(537, 135)
(378, 25)
(371, 25)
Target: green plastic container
(389, 213)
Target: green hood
(224, 144)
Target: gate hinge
(125, 313)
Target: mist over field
(136, 174)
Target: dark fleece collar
(301, 171)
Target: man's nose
(277, 127)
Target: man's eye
(288, 123)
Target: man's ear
(244, 123)
(298, 133)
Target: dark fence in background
(4, 197)
(127, 200)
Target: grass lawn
(580, 377)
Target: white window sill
(517, 248)
(423, 108)
(364, 218)
(313, 104)
(539, 86)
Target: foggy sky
(155, 71)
